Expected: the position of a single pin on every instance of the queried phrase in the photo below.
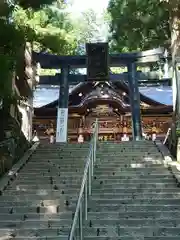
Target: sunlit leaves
(138, 25)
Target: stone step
(43, 202)
(122, 222)
(66, 191)
(134, 214)
(24, 196)
(134, 176)
(111, 223)
(117, 231)
(129, 167)
(41, 180)
(48, 174)
(57, 163)
(138, 195)
(62, 148)
(56, 176)
(45, 192)
(36, 216)
(36, 209)
(131, 152)
(114, 216)
(63, 158)
(56, 184)
(128, 171)
(115, 170)
(135, 185)
(37, 171)
(97, 171)
(101, 162)
(129, 238)
(134, 207)
(34, 232)
(142, 231)
(59, 237)
(98, 186)
(135, 190)
(37, 197)
(100, 177)
(25, 187)
(39, 223)
(59, 154)
(101, 204)
(126, 147)
(120, 154)
(57, 180)
(54, 168)
(138, 200)
(54, 179)
(55, 208)
(135, 181)
(128, 161)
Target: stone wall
(14, 145)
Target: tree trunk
(175, 50)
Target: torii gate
(97, 73)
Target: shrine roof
(49, 95)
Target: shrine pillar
(80, 131)
(135, 102)
(62, 111)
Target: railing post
(94, 150)
(92, 163)
(89, 182)
(80, 223)
(86, 189)
(85, 200)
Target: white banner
(62, 125)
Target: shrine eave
(112, 103)
(87, 87)
(54, 61)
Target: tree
(89, 27)
(46, 26)
(139, 25)
(49, 28)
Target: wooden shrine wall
(108, 125)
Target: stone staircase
(40, 202)
(135, 197)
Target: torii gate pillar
(62, 111)
(135, 102)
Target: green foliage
(9, 54)
(47, 27)
(139, 25)
(35, 4)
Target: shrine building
(110, 103)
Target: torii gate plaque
(97, 61)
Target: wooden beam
(49, 61)
(76, 78)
